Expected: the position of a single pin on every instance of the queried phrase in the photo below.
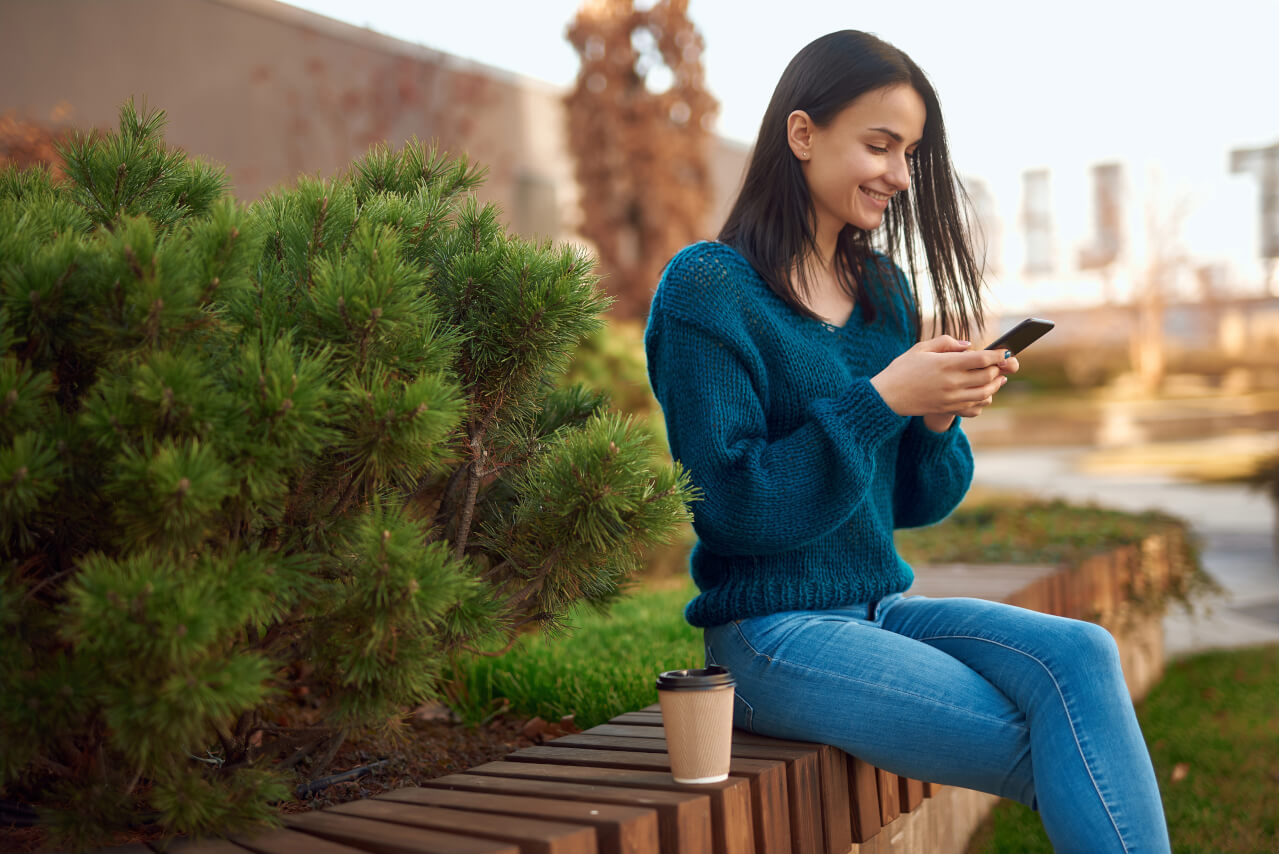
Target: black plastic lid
(702, 679)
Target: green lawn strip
(604, 666)
(1017, 530)
(1216, 718)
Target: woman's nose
(899, 173)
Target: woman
(797, 391)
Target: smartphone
(1022, 335)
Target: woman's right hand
(942, 376)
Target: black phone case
(1022, 335)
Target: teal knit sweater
(804, 470)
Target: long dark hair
(772, 222)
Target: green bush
(263, 470)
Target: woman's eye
(877, 149)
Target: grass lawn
(604, 667)
(1212, 724)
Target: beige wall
(271, 91)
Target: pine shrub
(264, 469)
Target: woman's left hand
(1010, 366)
(941, 423)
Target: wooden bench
(609, 790)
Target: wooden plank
(837, 825)
(633, 731)
(381, 837)
(832, 769)
(910, 793)
(683, 820)
(767, 778)
(533, 836)
(638, 719)
(836, 815)
(618, 829)
(803, 778)
(732, 822)
(863, 790)
(833, 776)
(284, 841)
(889, 802)
(201, 846)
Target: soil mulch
(432, 746)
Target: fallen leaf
(535, 727)
(1180, 771)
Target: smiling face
(858, 161)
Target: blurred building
(1037, 222)
(272, 91)
(987, 229)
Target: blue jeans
(963, 692)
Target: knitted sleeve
(934, 471)
(759, 495)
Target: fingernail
(1008, 354)
(1005, 380)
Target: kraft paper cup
(697, 715)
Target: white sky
(1166, 86)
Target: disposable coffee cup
(697, 715)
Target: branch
(338, 740)
(306, 743)
(472, 492)
(497, 654)
(532, 618)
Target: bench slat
(910, 793)
(683, 820)
(531, 835)
(803, 778)
(618, 829)
(285, 841)
(767, 778)
(835, 813)
(889, 801)
(202, 846)
(863, 790)
(835, 800)
(381, 837)
(732, 823)
(638, 719)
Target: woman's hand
(941, 378)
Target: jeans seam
(750, 645)
(1074, 734)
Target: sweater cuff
(929, 444)
(866, 413)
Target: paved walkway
(1235, 524)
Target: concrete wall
(271, 92)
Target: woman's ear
(799, 134)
